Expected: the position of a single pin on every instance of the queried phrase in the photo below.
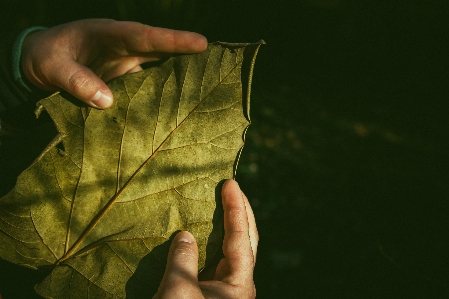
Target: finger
(238, 265)
(136, 69)
(253, 233)
(110, 70)
(181, 273)
(81, 82)
(174, 41)
(146, 39)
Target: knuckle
(149, 33)
(178, 292)
(185, 251)
(41, 67)
(247, 291)
(153, 37)
(251, 292)
(78, 80)
(172, 41)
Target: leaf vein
(14, 238)
(224, 148)
(10, 224)
(42, 239)
(202, 80)
(57, 179)
(162, 191)
(67, 119)
(8, 212)
(27, 257)
(120, 154)
(138, 89)
(117, 255)
(215, 110)
(127, 91)
(72, 207)
(103, 211)
(189, 198)
(182, 91)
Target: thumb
(82, 83)
(181, 273)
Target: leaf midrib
(103, 211)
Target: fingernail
(186, 237)
(184, 240)
(102, 100)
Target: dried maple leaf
(100, 203)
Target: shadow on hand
(148, 275)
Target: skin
(80, 57)
(233, 277)
(88, 53)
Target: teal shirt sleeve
(17, 54)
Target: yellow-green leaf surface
(100, 203)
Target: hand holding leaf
(114, 185)
(234, 275)
(81, 56)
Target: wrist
(17, 55)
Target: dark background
(345, 163)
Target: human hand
(234, 274)
(81, 56)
